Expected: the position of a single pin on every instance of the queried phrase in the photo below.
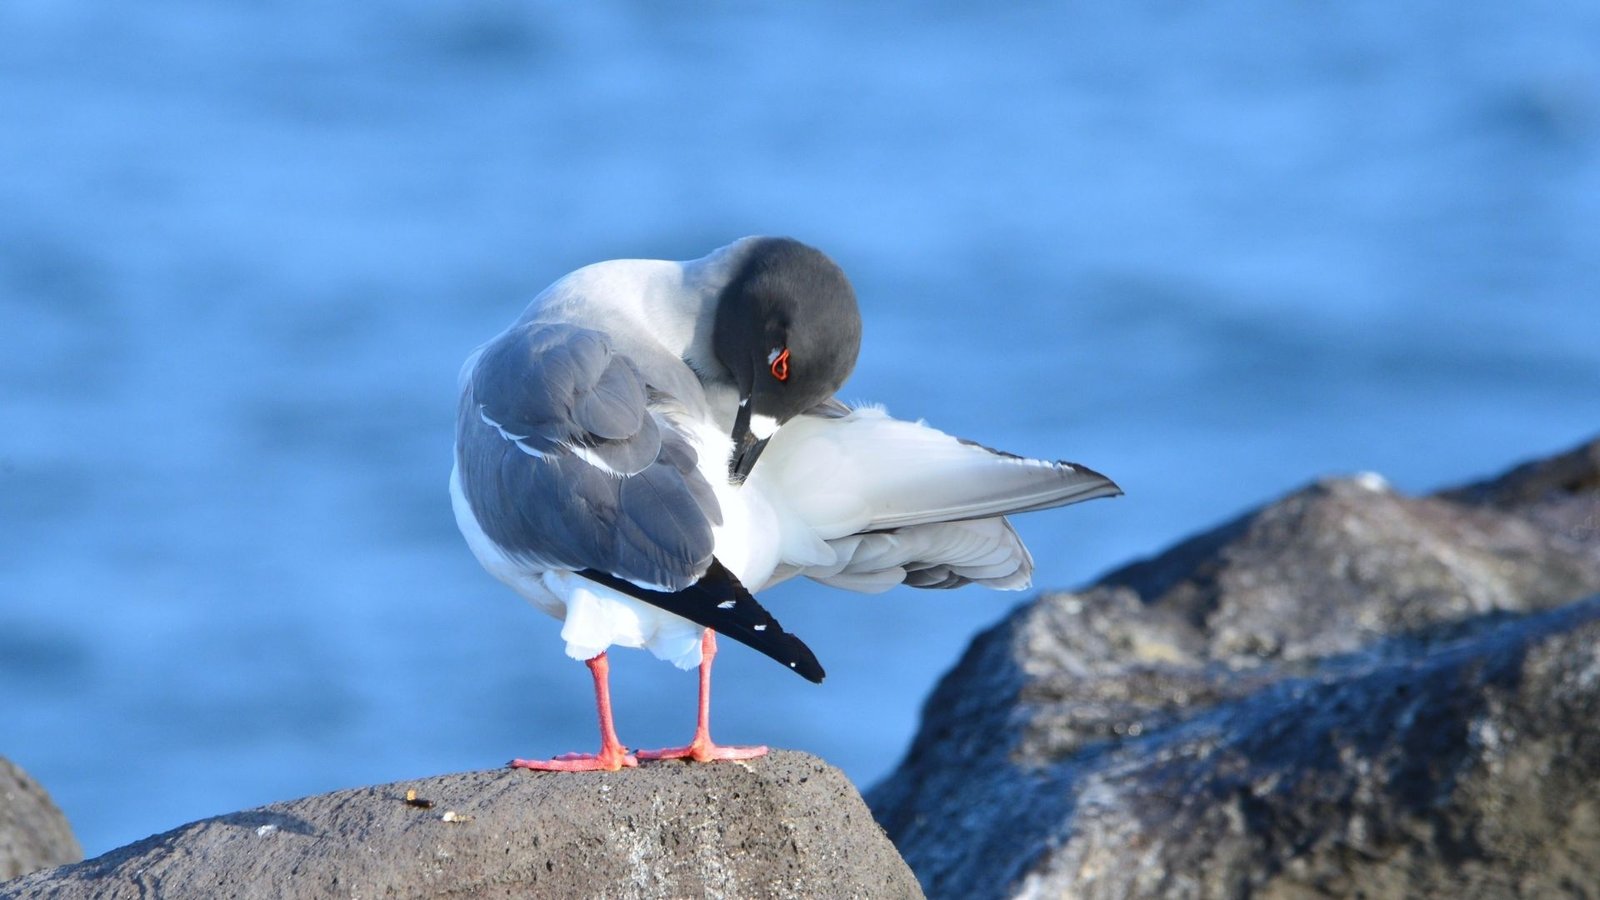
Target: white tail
(867, 501)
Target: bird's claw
(704, 752)
(580, 762)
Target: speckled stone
(1347, 692)
(787, 825)
(33, 833)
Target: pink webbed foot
(612, 756)
(580, 762)
(704, 752)
(701, 749)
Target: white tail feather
(890, 497)
(868, 472)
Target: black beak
(746, 448)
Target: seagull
(651, 442)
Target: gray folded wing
(565, 463)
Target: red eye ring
(780, 365)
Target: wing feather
(565, 463)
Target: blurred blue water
(244, 247)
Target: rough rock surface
(1347, 692)
(33, 832)
(788, 825)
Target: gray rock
(33, 833)
(787, 825)
(1344, 692)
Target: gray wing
(565, 463)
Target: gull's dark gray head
(788, 329)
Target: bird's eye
(780, 365)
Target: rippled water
(245, 246)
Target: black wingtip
(1115, 490)
(719, 602)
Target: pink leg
(701, 749)
(612, 755)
